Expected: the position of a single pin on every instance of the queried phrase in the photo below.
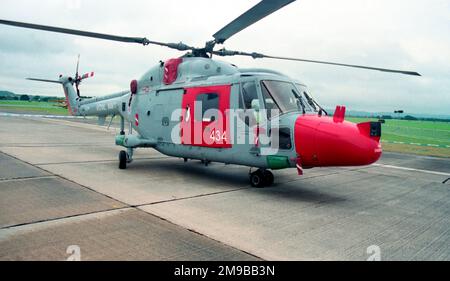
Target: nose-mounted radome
(323, 141)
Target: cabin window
(187, 114)
(284, 137)
(208, 103)
(249, 94)
(248, 100)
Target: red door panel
(205, 117)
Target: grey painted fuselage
(155, 102)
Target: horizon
(349, 110)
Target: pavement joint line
(202, 234)
(78, 125)
(127, 206)
(22, 227)
(62, 218)
(412, 169)
(27, 178)
(188, 197)
(69, 180)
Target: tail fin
(71, 95)
(69, 91)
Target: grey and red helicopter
(196, 107)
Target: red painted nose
(321, 141)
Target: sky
(403, 34)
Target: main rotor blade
(349, 65)
(258, 12)
(144, 41)
(224, 52)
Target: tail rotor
(78, 78)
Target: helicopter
(195, 107)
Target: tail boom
(98, 106)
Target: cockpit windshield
(287, 97)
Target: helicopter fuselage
(199, 108)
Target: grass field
(418, 137)
(49, 108)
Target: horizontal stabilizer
(45, 80)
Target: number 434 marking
(217, 136)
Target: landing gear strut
(261, 178)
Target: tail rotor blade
(87, 75)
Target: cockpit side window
(269, 102)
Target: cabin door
(205, 117)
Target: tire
(123, 158)
(257, 179)
(268, 178)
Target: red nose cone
(321, 141)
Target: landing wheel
(261, 178)
(205, 162)
(257, 179)
(123, 159)
(268, 178)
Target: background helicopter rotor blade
(258, 12)
(78, 66)
(77, 77)
(44, 80)
(144, 41)
(254, 55)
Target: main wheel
(268, 178)
(257, 179)
(123, 158)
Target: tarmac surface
(60, 186)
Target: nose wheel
(125, 158)
(261, 178)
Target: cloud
(411, 35)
